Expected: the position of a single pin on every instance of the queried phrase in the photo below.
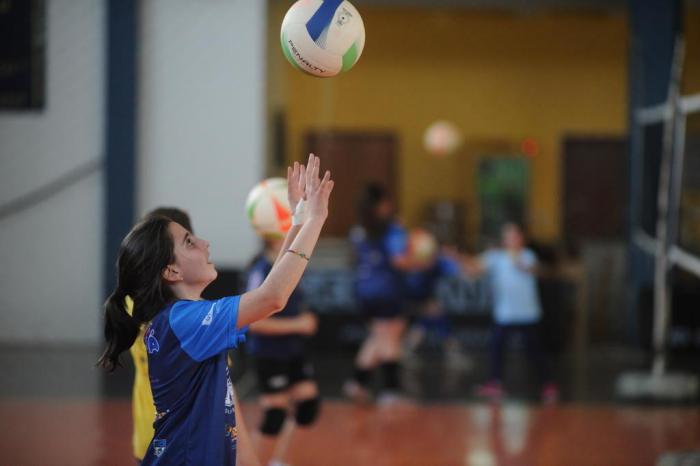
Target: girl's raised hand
(318, 190)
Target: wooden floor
(48, 432)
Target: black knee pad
(307, 411)
(273, 421)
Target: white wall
(201, 106)
(200, 142)
(51, 254)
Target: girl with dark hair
(164, 268)
(142, 410)
(175, 214)
(380, 246)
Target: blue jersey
(281, 347)
(421, 285)
(186, 343)
(375, 277)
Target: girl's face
(512, 237)
(191, 257)
(384, 209)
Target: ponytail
(144, 253)
(121, 330)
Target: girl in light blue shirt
(516, 307)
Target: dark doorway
(595, 212)
(354, 159)
(595, 188)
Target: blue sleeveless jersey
(281, 347)
(375, 278)
(195, 422)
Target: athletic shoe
(550, 393)
(392, 398)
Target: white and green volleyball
(267, 208)
(322, 37)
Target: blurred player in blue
(380, 247)
(164, 268)
(290, 395)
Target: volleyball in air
(322, 37)
(267, 208)
(442, 138)
(422, 246)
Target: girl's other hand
(296, 185)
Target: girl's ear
(171, 274)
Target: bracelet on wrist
(300, 254)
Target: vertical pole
(662, 294)
(120, 130)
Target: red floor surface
(46, 432)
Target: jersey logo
(232, 433)
(229, 393)
(159, 446)
(152, 344)
(210, 315)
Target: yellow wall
(500, 77)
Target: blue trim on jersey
(322, 18)
(396, 241)
(206, 328)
